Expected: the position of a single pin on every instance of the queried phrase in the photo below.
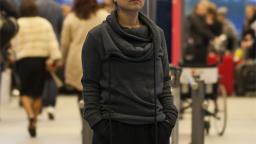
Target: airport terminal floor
(126, 46)
(66, 129)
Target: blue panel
(69, 2)
(236, 11)
(189, 6)
(100, 1)
(163, 19)
(252, 1)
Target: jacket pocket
(101, 128)
(166, 127)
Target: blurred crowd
(41, 41)
(211, 38)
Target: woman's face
(250, 11)
(130, 5)
(209, 19)
(248, 41)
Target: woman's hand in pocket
(101, 127)
(169, 126)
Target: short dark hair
(84, 8)
(28, 8)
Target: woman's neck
(128, 19)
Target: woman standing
(36, 50)
(250, 21)
(77, 24)
(126, 79)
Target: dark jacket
(199, 30)
(247, 24)
(9, 8)
(198, 39)
(121, 79)
(8, 24)
(52, 11)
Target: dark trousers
(131, 134)
(50, 92)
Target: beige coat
(35, 38)
(72, 38)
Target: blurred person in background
(250, 21)
(8, 29)
(216, 44)
(245, 52)
(244, 58)
(66, 9)
(51, 10)
(8, 24)
(35, 51)
(249, 31)
(199, 35)
(249, 27)
(228, 29)
(250, 37)
(126, 79)
(9, 8)
(212, 21)
(85, 15)
(66, 6)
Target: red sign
(176, 30)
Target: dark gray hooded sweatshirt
(121, 79)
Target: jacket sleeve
(91, 75)
(166, 98)
(54, 50)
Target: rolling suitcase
(246, 81)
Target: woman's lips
(137, 1)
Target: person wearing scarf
(126, 79)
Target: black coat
(8, 27)
(198, 39)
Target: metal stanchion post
(87, 133)
(0, 86)
(175, 75)
(175, 134)
(197, 112)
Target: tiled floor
(66, 128)
(241, 125)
